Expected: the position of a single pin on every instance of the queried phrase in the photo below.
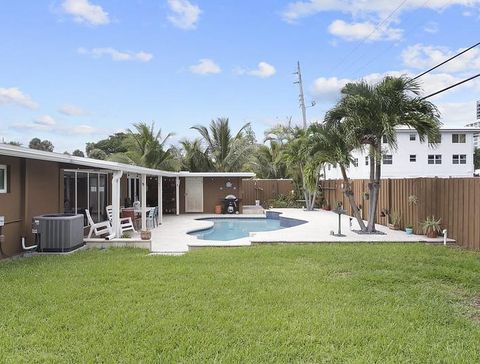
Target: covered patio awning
(117, 170)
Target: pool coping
(244, 241)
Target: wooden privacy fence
(264, 189)
(455, 200)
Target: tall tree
(78, 153)
(37, 143)
(299, 159)
(268, 162)
(147, 148)
(370, 114)
(226, 152)
(332, 144)
(116, 143)
(194, 156)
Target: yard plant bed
(281, 303)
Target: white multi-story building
(476, 124)
(451, 157)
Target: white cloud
(380, 8)
(13, 95)
(72, 110)
(458, 113)
(45, 120)
(205, 66)
(363, 30)
(184, 14)
(421, 56)
(327, 90)
(431, 27)
(117, 55)
(263, 70)
(48, 124)
(85, 12)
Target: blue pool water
(230, 229)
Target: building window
(387, 159)
(459, 159)
(384, 139)
(434, 159)
(366, 160)
(459, 138)
(435, 140)
(355, 162)
(413, 137)
(413, 157)
(3, 179)
(329, 166)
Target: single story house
(34, 182)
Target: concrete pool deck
(172, 236)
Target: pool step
(253, 209)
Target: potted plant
(394, 218)
(409, 229)
(431, 226)
(145, 234)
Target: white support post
(177, 195)
(143, 191)
(160, 199)
(116, 228)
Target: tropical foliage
(368, 115)
(37, 143)
(146, 147)
(226, 152)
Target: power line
(347, 56)
(451, 86)
(447, 60)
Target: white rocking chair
(97, 228)
(126, 223)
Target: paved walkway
(172, 236)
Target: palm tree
(268, 162)
(370, 114)
(147, 148)
(331, 143)
(194, 156)
(226, 152)
(299, 159)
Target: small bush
(285, 201)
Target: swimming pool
(236, 228)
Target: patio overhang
(118, 170)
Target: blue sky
(74, 71)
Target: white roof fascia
(22, 152)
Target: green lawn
(304, 303)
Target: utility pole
(301, 98)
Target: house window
(459, 138)
(329, 166)
(387, 159)
(434, 159)
(459, 159)
(355, 162)
(413, 137)
(3, 179)
(366, 160)
(413, 157)
(384, 139)
(435, 140)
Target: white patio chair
(97, 228)
(126, 223)
(152, 218)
